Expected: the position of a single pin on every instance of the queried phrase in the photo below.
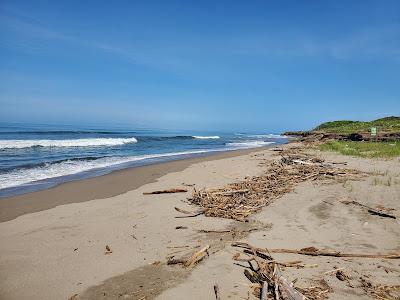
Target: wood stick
(183, 211)
(197, 256)
(286, 289)
(191, 216)
(216, 292)
(169, 191)
(335, 254)
(316, 252)
(214, 231)
(264, 291)
(371, 210)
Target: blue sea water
(34, 157)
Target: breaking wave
(89, 142)
(205, 137)
(269, 136)
(249, 144)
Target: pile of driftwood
(239, 200)
(268, 281)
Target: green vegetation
(388, 124)
(363, 149)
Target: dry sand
(59, 252)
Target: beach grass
(388, 124)
(363, 149)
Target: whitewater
(18, 144)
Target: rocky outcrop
(358, 136)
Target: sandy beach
(53, 242)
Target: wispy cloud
(32, 33)
(193, 53)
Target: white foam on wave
(249, 144)
(70, 167)
(90, 142)
(206, 137)
(270, 136)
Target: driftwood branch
(284, 287)
(312, 251)
(197, 256)
(192, 260)
(188, 213)
(169, 191)
(371, 210)
(264, 291)
(216, 292)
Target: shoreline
(104, 186)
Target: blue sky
(230, 65)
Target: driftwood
(183, 211)
(216, 292)
(267, 277)
(312, 251)
(169, 191)
(371, 210)
(282, 285)
(197, 256)
(192, 260)
(181, 227)
(228, 193)
(214, 231)
(241, 199)
(108, 250)
(382, 292)
(264, 291)
(188, 213)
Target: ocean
(35, 157)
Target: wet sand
(109, 185)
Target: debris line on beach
(241, 199)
